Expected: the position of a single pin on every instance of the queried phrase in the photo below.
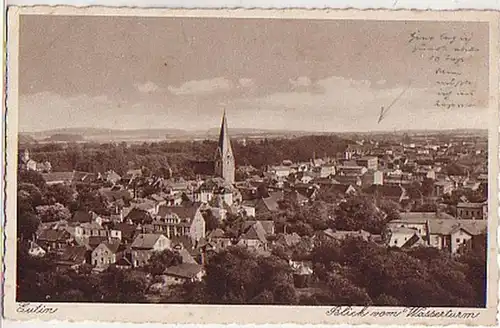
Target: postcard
(252, 166)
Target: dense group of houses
(175, 217)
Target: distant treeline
(94, 157)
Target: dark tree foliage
(237, 276)
(39, 279)
(159, 261)
(157, 157)
(358, 213)
(381, 276)
(211, 221)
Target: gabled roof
(446, 227)
(255, 231)
(217, 233)
(51, 235)
(385, 190)
(268, 204)
(341, 234)
(146, 240)
(470, 205)
(289, 239)
(423, 216)
(184, 270)
(58, 176)
(74, 254)
(183, 212)
(112, 246)
(82, 217)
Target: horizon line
(247, 128)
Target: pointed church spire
(224, 158)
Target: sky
(295, 74)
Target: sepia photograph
(341, 163)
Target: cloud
(49, 110)
(147, 87)
(199, 87)
(340, 104)
(301, 81)
(246, 83)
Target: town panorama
(395, 219)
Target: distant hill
(99, 134)
(107, 135)
(25, 139)
(65, 137)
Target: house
(288, 240)
(184, 272)
(53, 178)
(351, 170)
(254, 236)
(280, 171)
(144, 204)
(218, 190)
(438, 230)
(297, 197)
(370, 162)
(84, 177)
(144, 245)
(127, 231)
(90, 229)
(324, 171)
(181, 221)
(106, 253)
(395, 193)
(443, 187)
(343, 189)
(35, 250)
(218, 239)
(341, 234)
(114, 194)
(351, 179)
(474, 211)
(399, 236)
(109, 176)
(302, 272)
(51, 239)
(73, 257)
(86, 217)
(266, 206)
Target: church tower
(224, 158)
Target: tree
(27, 224)
(33, 177)
(358, 213)
(236, 276)
(211, 221)
(50, 213)
(89, 199)
(427, 187)
(29, 195)
(59, 193)
(159, 261)
(391, 209)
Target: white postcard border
(168, 313)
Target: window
(458, 240)
(395, 241)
